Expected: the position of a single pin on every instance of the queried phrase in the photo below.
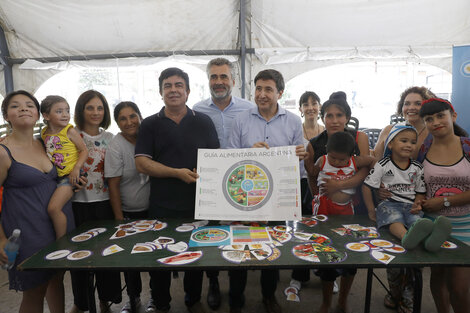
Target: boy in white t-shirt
(404, 179)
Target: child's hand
(330, 186)
(384, 193)
(82, 182)
(74, 176)
(416, 208)
(433, 204)
(372, 216)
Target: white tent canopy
(292, 36)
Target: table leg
(91, 292)
(418, 289)
(370, 272)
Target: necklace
(315, 131)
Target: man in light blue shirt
(267, 125)
(222, 107)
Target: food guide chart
(248, 184)
(244, 241)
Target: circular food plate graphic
(82, 237)
(78, 255)
(99, 230)
(184, 228)
(59, 254)
(210, 235)
(357, 246)
(247, 185)
(382, 243)
(282, 228)
(320, 217)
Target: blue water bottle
(11, 249)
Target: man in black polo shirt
(166, 150)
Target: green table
(213, 260)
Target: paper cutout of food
(59, 254)
(111, 250)
(178, 247)
(382, 243)
(357, 246)
(182, 258)
(275, 255)
(81, 237)
(78, 255)
(448, 245)
(382, 257)
(395, 249)
(306, 251)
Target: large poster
(461, 85)
(248, 184)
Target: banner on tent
(461, 85)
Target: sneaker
(271, 305)
(151, 308)
(441, 230)
(127, 308)
(213, 295)
(196, 308)
(296, 284)
(335, 287)
(420, 230)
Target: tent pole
(7, 66)
(242, 45)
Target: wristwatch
(446, 202)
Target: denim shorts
(63, 181)
(389, 212)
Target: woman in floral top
(92, 117)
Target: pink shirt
(447, 180)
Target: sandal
(389, 302)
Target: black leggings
(108, 283)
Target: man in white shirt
(222, 108)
